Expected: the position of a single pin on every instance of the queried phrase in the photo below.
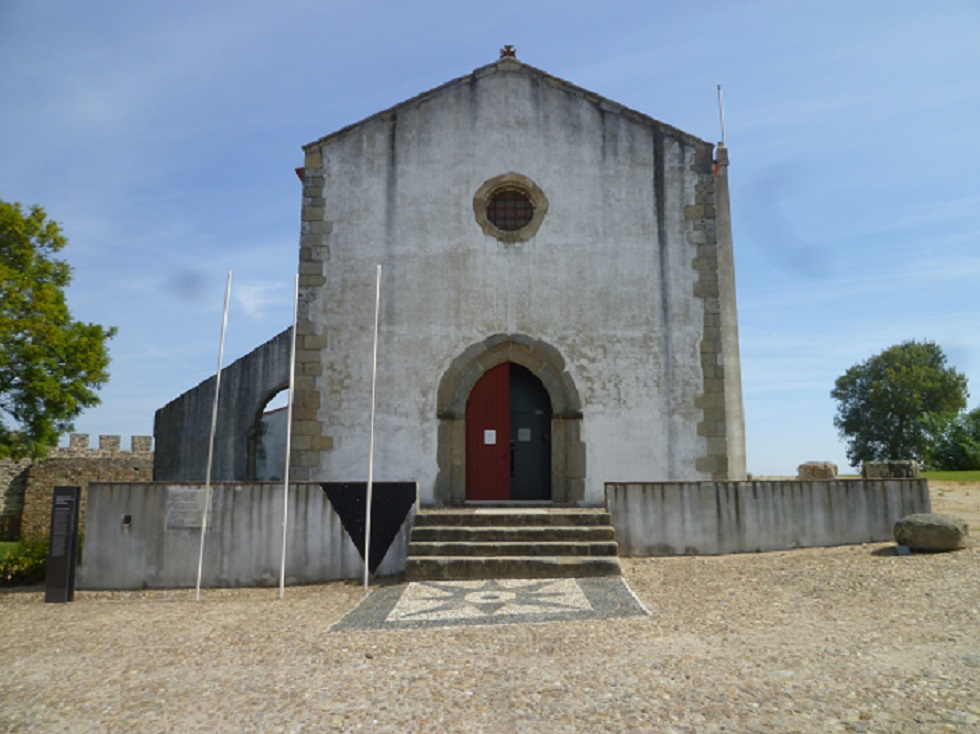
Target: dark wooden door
(508, 436)
(488, 436)
(530, 436)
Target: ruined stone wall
(182, 428)
(13, 480)
(76, 466)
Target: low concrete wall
(707, 518)
(159, 545)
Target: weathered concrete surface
(160, 545)
(628, 284)
(706, 518)
(816, 470)
(181, 429)
(932, 533)
(905, 469)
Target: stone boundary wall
(709, 518)
(147, 535)
(26, 486)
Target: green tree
(890, 406)
(50, 364)
(957, 444)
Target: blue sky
(163, 136)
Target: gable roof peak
(509, 63)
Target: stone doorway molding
(546, 363)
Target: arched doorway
(546, 365)
(508, 436)
(267, 438)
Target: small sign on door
(489, 438)
(524, 434)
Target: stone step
(496, 534)
(517, 548)
(449, 568)
(511, 517)
(512, 542)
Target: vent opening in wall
(510, 207)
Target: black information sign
(63, 545)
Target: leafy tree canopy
(957, 444)
(50, 364)
(890, 406)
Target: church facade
(557, 305)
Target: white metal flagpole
(214, 425)
(370, 481)
(721, 114)
(289, 435)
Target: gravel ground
(815, 640)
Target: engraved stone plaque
(185, 507)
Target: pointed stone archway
(544, 362)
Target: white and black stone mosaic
(492, 601)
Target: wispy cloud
(257, 299)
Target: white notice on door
(489, 438)
(523, 434)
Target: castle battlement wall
(26, 485)
(109, 445)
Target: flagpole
(214, 425)
(289, 435)
(370, 481)
(721, 115)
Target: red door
(488, 436)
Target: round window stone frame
(510, 182)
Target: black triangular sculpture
(390, 504)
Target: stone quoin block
(816, 470)
(905, 469)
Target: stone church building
(557, 306)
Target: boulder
(890, 470)
(932, 533)
(816, 470)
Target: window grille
(510, 210)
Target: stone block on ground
(890, 470)
(816, 470)
(932, 533)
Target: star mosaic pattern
(488, 598)
(492, 601)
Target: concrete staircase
(512, 542)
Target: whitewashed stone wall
(628, 280)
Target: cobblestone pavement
(493, 602)
(816, 640)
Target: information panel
(63, 545)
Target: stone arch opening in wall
(568, 451)
(267, 437)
